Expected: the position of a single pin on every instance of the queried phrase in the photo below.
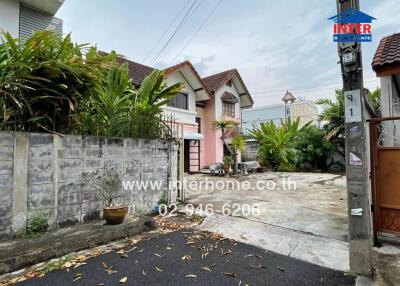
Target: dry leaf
(230, 274)
(206, 268)
(77, 278)
(124, 255)
(158, 269)
(144, 273)
(158, 255)
(168, 248)
(123, 280)
(81, 258)
(257, 266)
(191, 276)
(121, 251)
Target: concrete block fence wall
(48, 174)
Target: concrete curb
(17, 254)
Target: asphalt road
(187, 258)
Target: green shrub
(37, 225)
(313, 148)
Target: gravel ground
(189, 257)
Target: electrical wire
(196, 32)
(174, 33)
(165, 32)
(302, 91)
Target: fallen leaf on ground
(225, 252)
(123, 280)
(144, 273)
(77, 278)
(206, 268)
(191, 276)
(281, 269)
(257, 266)
(158, 269)
(230, 274)
(67, 264)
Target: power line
(306, 90)
(174, 33)
(279, 90)
(165, 32)
(197, 31)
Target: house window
(198, 121)
(180, 101)
(228, 109)
(229, 83)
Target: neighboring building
(23, 17)
(386, 64)
(202, 101)
(305, 110)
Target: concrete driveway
(300, 214)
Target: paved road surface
(178, 258)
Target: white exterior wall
(390, 107)
(181, 115)
(9, 16)
(218, 101)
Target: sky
(275, 45)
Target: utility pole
(357, 152)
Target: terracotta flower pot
(115, 215)
(226, 168)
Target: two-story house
(23, 17)
(202, 101)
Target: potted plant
(228, 161)
(109, 186)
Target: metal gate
(385, 175)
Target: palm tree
(145, 115)
(224, 126)
(238, 144)
(333, 117)
(277, 142)
(110, 104)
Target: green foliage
(238, 143)
(224, 126)
(374, 98)
(228, 160)
(163, 200)
(118, 109)
(50, 84)
(43, 79)
(333, 119)
(37, 225)
(276, 142)
(313, 148)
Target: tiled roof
(189, 64)
(137, 72)
(388, 53)
(216, 81)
